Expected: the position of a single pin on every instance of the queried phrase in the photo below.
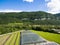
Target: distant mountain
(58, 15)
(38, 17)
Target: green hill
(10, 22)
(38, 17)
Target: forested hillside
(38, 17)
(10, 22)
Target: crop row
(10, 39)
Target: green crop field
(10, 39)
(49, 36)
(14, 38)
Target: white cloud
(53, 6)
(28, 0)
(10, 10)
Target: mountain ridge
(37, 16)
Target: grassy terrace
(3, 39)
(10, 39)
(49, 36)
(18, 38)
(14, 38)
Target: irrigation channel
(30, 38)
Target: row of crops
(10, 39)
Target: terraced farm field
(29, 38)
(10, 39)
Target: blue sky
(27, 5)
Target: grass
(3, 38)
(14, 39)
(9, 40)
(18, 39)
(49, 36)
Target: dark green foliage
(45, 29)
(38, 17)
(10, 22)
